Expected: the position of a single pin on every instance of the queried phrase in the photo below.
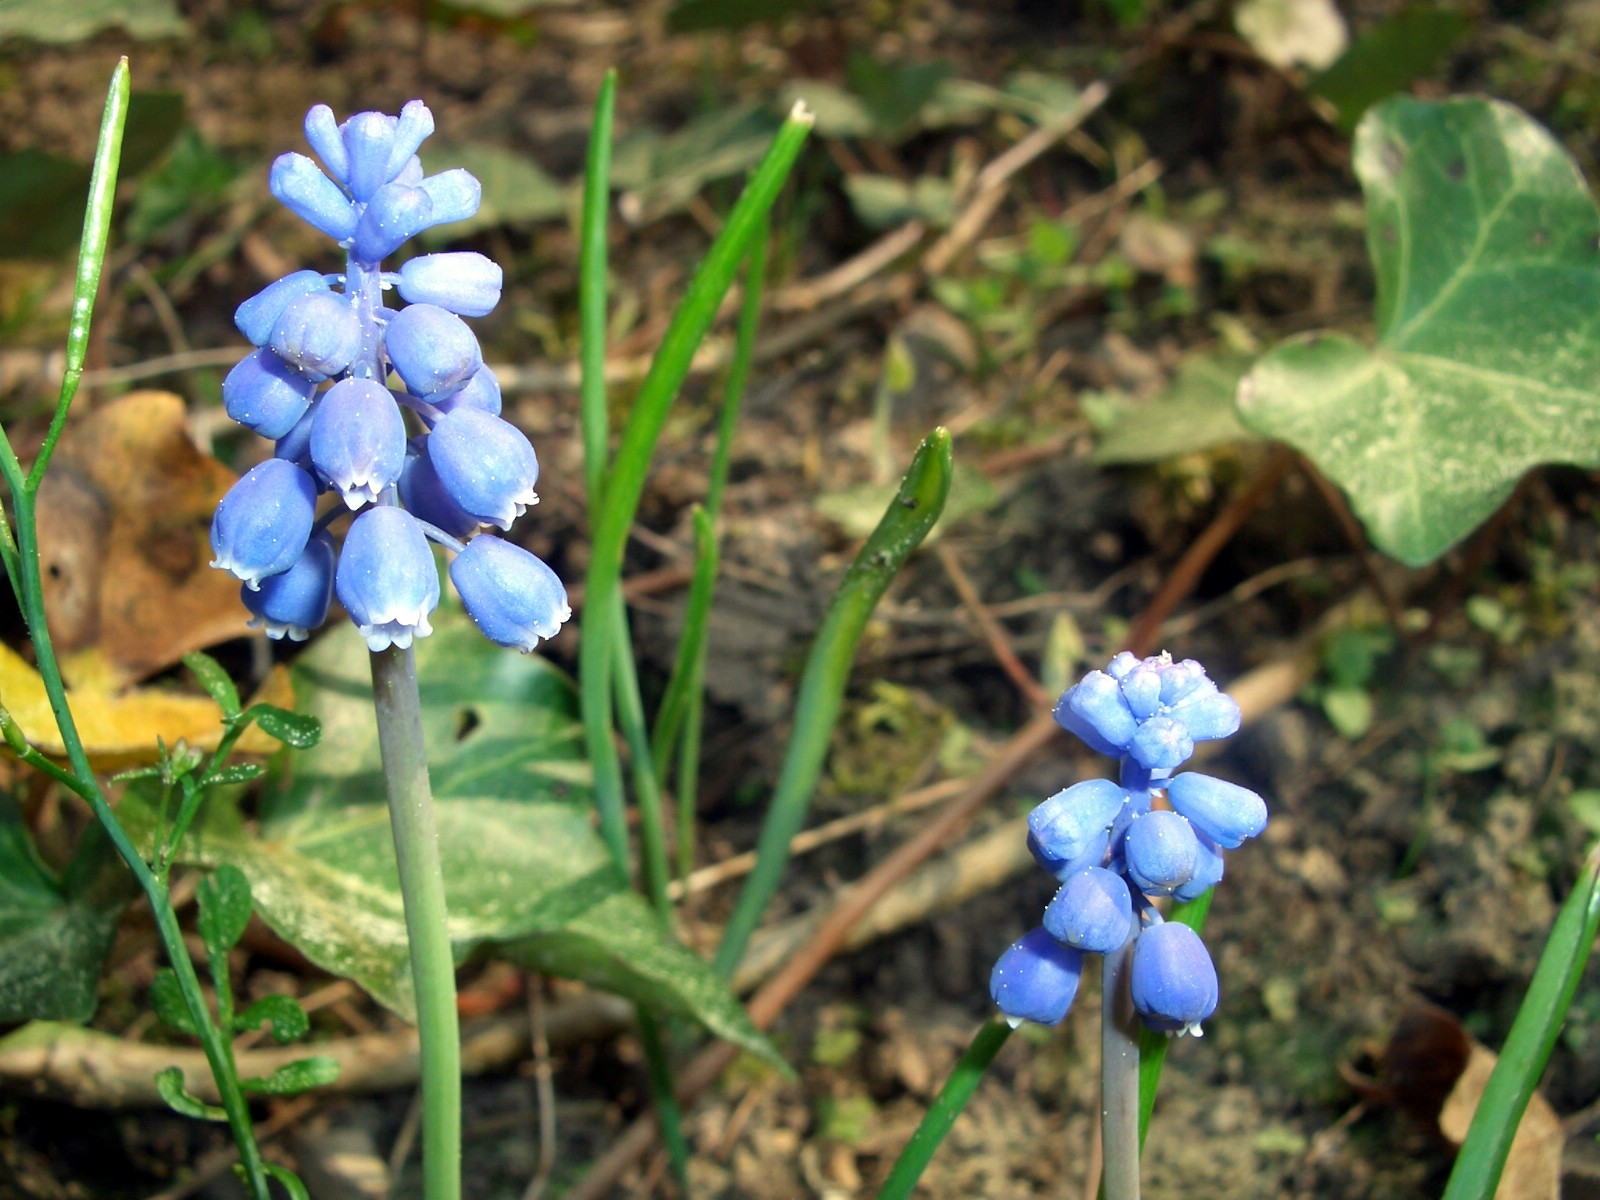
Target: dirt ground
(1420, 862)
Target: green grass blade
(1533, 1034)
(744, 349)
(911, 514)
(944, 1110)
(688, 669)
(1153, 1045)
(593, 264)
(592, 409)
(91, 257)
(624, 484)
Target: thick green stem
(433, 972)
(1119, 1077)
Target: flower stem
(1119, 1078)
(416, 842)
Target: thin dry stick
(767, 1003)
(989, 186)
(544, 1087)
(822, 835)
(1357, 537)
(405, 1139)
(997, 638)
(1182, 578)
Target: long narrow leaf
(944, 1110)
(1533, 1035)
(624, 484)
(911, 514)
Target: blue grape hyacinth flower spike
(389, 409)
(1119, 846)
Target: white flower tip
(805, 116)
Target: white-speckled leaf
(54, 937)
(521, 859)
(1486, 246)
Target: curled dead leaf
(124, 514)
(1437, 1072)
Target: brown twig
(998, 640)
(1357, 537)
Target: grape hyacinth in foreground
(334, 374)
(1115, 852)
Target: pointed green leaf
(234, 773)
(283, 1014)
(294, 730)
(181, 1101)
(293, 1078)
(520, 856)
(1486, 246)
(54, 937)
(218, 684)
(224, 898)
(166, 997)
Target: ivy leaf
(1486, 246)
(520, 856)
(54, 936)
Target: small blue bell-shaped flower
(295, 602)
(1036, 979)
(317, 333)
(1096, 711)
(463, 282)
(426, 498)
(432, 350)
(266, 394)
(1160, 852)
(386, 578)
(257, 315)
(1092, 911)
(394, 215)
(358, 440)
(1225, 812)
(455, 193)
(304, 190)
(1160, 744)
(487, 465)
(1174, 981)
(264, 521)
(1066, 823)
(512, 595)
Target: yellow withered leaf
(120, 729)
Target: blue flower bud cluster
(391, 409)
(1114, 851)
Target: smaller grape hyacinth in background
(1115, 852)
(331, 381)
